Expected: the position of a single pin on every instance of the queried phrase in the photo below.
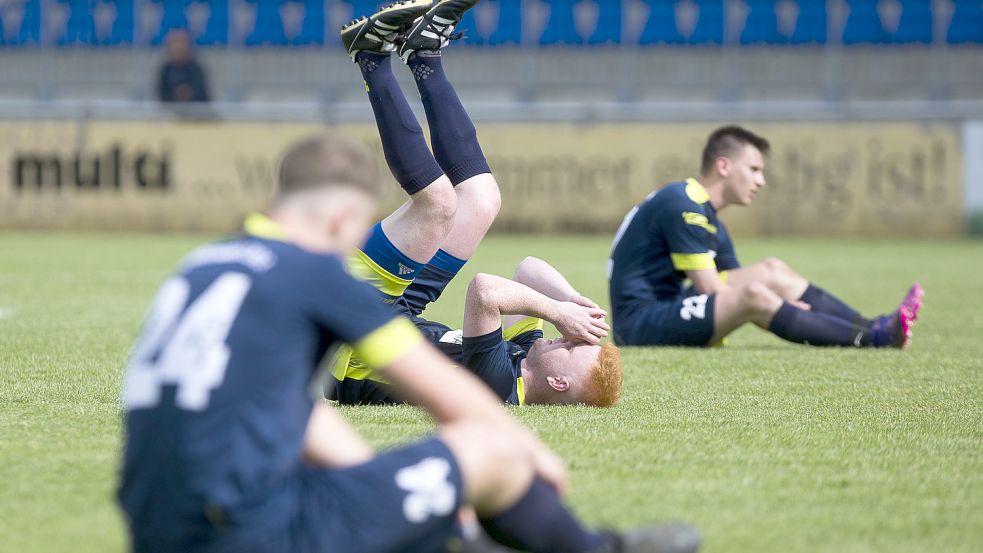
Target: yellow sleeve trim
(362, 267)
(261, 226)
(387, 343)
(699, 220)
(520, 390)
(696, 192)
(723, 277)
(339, 361)
(692, 261)
(525, 325)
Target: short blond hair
(605, 378)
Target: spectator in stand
(181, 79)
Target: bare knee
(439, 200)
(494, 474)
(758, 299)
(481, 198)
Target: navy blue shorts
(684, 321)
(403, 500)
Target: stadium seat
(764, 25)
(967, 23)
(663, 26)
(865, 24)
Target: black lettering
(116, 162)
(87, 178)
(40, 167)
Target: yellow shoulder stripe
(699, 220)
(696, 192)
(527, 324)
(364, 268)
(692, 261)
(261, 226)
(387, 343)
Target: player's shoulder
(235, 251)
(688, 194)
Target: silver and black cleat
(435, 29)
(379, 31)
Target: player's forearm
(508, 297)
(706, 281)
(330, 441)
(543, 278)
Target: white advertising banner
(973, 165)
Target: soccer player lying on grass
(675, 235)
(226, 449)
(416, 251)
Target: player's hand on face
(581, 324)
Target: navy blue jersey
(218, 387)
(674, 230)
(496, 358)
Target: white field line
(4, 312)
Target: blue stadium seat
(967, 23)
(79, 26)
(763, 23)
(312, 31)
(560, 26)
(216, 30)
(609, 21)
(123, 26)
(864, 25)
(173, 18)
(268, 30)
(662, 26)
(508, 27)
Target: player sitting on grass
(414, 253)
(226, 449)
(675, 235)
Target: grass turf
(765, 446)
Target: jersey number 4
(184, 347)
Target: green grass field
(765, 446)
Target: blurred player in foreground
(416, 251)
(226, 449)
(675, 235)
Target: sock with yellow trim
(539, 523)
(403, 142)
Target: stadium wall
(825, 178)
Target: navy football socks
(431, 281)
(455, 141)
(539, 523)
(816, 328)
(402, 137)
(824, 302)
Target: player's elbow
(527, 267)
(481, 289)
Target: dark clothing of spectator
(182, 82)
